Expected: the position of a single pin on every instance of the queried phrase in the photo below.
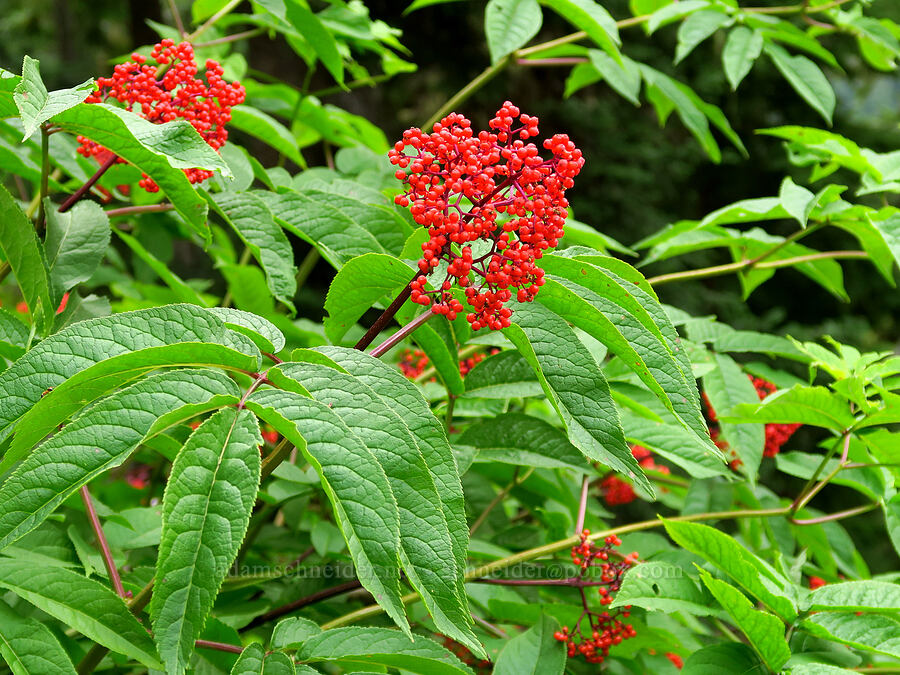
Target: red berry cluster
(676, 660)
(776, 434)
(414, 362)
(166, 91)
(616, 491)
(492, 206)
(816, 582)
(465, 655)
(605, 628)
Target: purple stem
(84, 189)
(221, 646)
(324, 594)
(582, 505)
(402, 333)
(574, 582)
(101, 540)
(386, 316)
(134, 210)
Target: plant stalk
(386, 316)
(84, 189)
(108, 561)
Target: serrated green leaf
(728, 386)
(357, 286)
(625, 78)
(593, 19)
(673, 442)
(634, 326)
(35, 105)
(159, 150)
(267, 129)
(319, 38)
(293, 631)
(806, 78)
(24, 254)
(510, 24)
(426, 429)
(747, 570)
(75, 244)
(425, 542)
(264, 334)
(798, 405)
(13, 335)
(741, 50)
(574, 384)
(534, 652)
(664, 587)
(255, 660)
(28, 646)
(859, 596)
(871, 632)
(253, 222)
(382, 646)
(359, 492)
(102, 438)
(8, 83)
(526, 441)
(764, 631)
(206, 510)
(83, 604)
(696, 28)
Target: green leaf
(427, 431)
(726, 657)
(684, 101)
(23, 253)
(267, 129)
(359, 492)
(593, 19)
(253, 222)
(314, 32)
(675, 443)
(728, 386)
(501, 376)
(179, 288)
(75, 244)
(264, 334)
(534, 652)
(764, 631)
(13, 335)
(255, 660)
(292, 632)
(206, 509)
(798, 405)
(634, 326)
(425, 542)
(8, 83)
(871, 632)
(35, 105)
(892, 520)
(673, 12)
(819, 669)
(747, 570)
(159, 150)
(28, 646)
(525, 441)
(664, 587)
(859, 596)
(83, 604)
(381, 646)
(796, 200)
(510, 24)
(741, 50)
(103, 438)
(696, 28)
(357, 286)
(575, 386)
(419, 4)
(806, 78)
(625, 78)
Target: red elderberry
(616, 491)
(492, 205)
(413, 363)
(816, 582)
(676, 660)
(604, 629)
(167, 91)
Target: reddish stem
(582, 505)
(84, 189)
(134, 210)
(401, 334)
(101, 540)
(573, 582)
(324, 594)
(221, 646)
(386, 316)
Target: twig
(84, 189)
(849, 513)
(491, 628)
(230, 38)
(318, 596)
(135, 210)
(401, 334)
(211, 21)
(114, 577)
(221, 646)
(176, 17)
(386, 316)
(514, 483)
(582, 505)
(809, 491)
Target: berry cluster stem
(386, 316)
(108, 561)
(84, 189)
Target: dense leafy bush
(540, 467)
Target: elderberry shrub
(167, 91)
(492, 206)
